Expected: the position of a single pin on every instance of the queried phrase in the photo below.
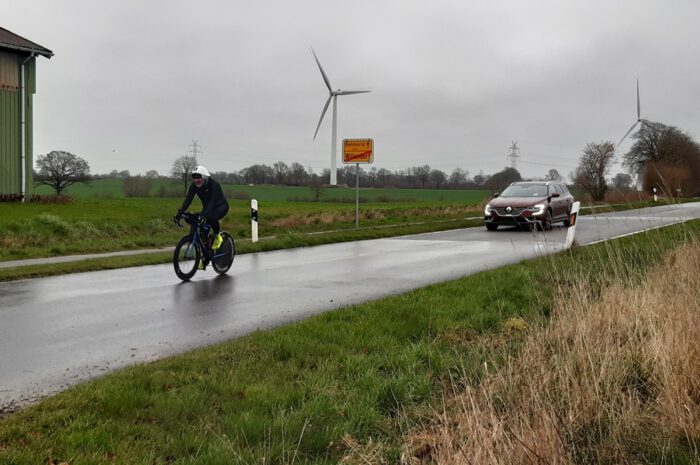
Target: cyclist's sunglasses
(196, 176)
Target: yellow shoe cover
(218, 240)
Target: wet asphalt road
(58, 331)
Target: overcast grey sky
(132, 83)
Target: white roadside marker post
(655, 199)
(570, 234)
(254, 220)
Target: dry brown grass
(607, 381)
(307, 219)
(325, 218)
(625, 196)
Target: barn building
(17, 87)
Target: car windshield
(525, 190)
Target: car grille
(514, 211)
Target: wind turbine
(639, 119)
(333, 94)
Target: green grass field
(113, 188)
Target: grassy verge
(612, 378)
(349, 385)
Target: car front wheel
(567, 221)
(491, 226)
(546, 223)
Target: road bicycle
(195, 248)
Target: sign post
(358, 151)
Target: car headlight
(487, 210)
(538, 209)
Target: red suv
(532, 203)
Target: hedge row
(37, 198)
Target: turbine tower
(513, 155)
(333, 94)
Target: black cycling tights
(213, 215)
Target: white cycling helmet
(202, 171)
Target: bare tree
(316, 186)
(593, 166)
(298, 173)
(182, 170)
(59, 170)
(481, 178)
(622, 181)
(458, 177)
(258, 174)
(422, 173)
(280, 171)
(503, 179)
(664, 155)
(552, 175)
(438, 178)
(152, 174)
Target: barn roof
(10, 40)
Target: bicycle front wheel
(186, 258)
(223, 256)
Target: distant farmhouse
(17, 87)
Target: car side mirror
(496, 194)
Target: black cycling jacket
(211, 194)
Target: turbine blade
(350, 92)
(627, 133)
(323, 113)
(639, 107)
(323, 73)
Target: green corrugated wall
(10, 117)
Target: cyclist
(214, 204)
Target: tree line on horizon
(661, 157)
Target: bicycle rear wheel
(224, 255)
(186, 258)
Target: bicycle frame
(198, 230)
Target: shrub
(51, 199)
(37, 198)
(11, 197)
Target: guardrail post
(254, 220)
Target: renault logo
(509, 209)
